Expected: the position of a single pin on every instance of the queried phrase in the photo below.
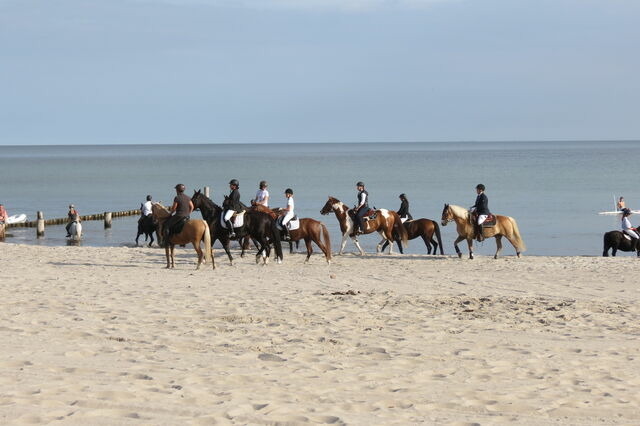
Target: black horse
(147, 226)
(616, 240)
(260, 227)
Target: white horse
(76, 231)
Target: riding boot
(232, 234)
(479, 235)
(285, 233)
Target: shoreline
(106, 335)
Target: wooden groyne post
(107, 220)
(40, 225)
(41, 221)
(206, 192)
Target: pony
(387, 223)
(194, 231)
(425, 228)
(146, 226)
(505, 227)
(75, 230)
(616, 240)
(259, 226)
(308, 230)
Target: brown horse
(309, 230)
(194, 231)
(387, 223)
(505, 227)
(425, 228)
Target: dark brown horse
(387, 223)
(616, 240)
(309, 230)
(425, 228)
(194, 231)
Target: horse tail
(399, 228)
(208, 250)
(326, 240)
(277, 243)
(438, 236)
(517, 239)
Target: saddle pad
(626, 236)
(237, 220)
(177, 228)
(489, 222)
(293, 224)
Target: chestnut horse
(505, 227)
(425, 228)
(387, 223)
(309, 230)
(194, 231)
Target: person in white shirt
(262, 196)
(145, 209)
(626, 224)
(287, 212)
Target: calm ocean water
(553, 189)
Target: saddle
(237, 220)
(490, 222)
(369, 215)
(177, 227)
(293, 224)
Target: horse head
(328, 207)
(446, 215)
(196, 199)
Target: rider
(4, 216)
(626, 224)
(621, 204)
(145, 209)
(262, 196)
(403, 212)
(287, 213)
(233, 205)
(481, 209)
(362, 207)
(182, 208)
(72, 216)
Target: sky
(266, 71)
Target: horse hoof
(459, 255)
(496, 257)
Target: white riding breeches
(228, 214)
(482, 218)
(287, 217)
(631, 233)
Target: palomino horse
(387, 223)
(425, 228)
(194, 231)
(259, 226)
(505, 227)
(309, 230)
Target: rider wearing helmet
(181, 209)
(233, 205)
(145, 209)
(403, 212)
(362, 207)
(626, 224)
(481, 210)
(287, 213)
(262, 196)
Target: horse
(387, 223)
(308, 230)
(194, 231)
(616, 240)
(425, 228)
(257, 225)
(505, 227)
(75, 230)
(146, 226)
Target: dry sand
(107, 336)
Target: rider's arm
(363, 200)
(174, 207)
(191, 207)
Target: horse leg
(355, 241)
(427, 243)
(196, 246)
(455, 246)
(151, 242)
(138, 236)
(614, 250)
(499, 246)
(307, 242)
(470, 244)
(344, 242)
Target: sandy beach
(107, 336)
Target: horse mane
(459, 211)
(160, 210)
(334, 200)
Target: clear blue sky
(223, 71)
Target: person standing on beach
(362, 207)
(233, 205)
(4, 216)
(262, 196)
(72, 216)
(181, 209)
(481, 210)
(626, 225)
(403, 212)
(621, 205)
(145, 209)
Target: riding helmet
(263, 184)
(626, 211)
(234, 182)
(360, 183)
(288, 191)
(480, 187)
(148, 197)
(402, 196)
(180, 187)
(71, 206)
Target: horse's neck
(208, 208)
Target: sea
(554, 190)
